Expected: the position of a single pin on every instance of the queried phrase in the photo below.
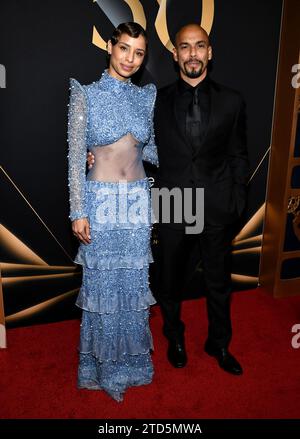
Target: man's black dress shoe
(225, 359)
(177, 354)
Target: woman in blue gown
(111, 216)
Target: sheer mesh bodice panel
(121, 160)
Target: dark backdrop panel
(43, 44)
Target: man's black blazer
(219, 165)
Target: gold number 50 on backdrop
(160, 22)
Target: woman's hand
(90, 158)
(81, 229)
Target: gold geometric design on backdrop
(36, 309)
(35, 213)
(97, 40)
(259, 164)
(161, 25)
(16, 280)
(15, 246)
(251, 226)
(30, 270)
(35, 274)
(138, 16)
(245, 243)
(242, 279)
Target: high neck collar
(114, 82)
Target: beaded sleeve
(150, 148)
(77, 129)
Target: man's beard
(195, 72)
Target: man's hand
(90, 158)
(81, 229)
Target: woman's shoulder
(74, 83)
(150, 88)
(148, 91)
(76, 86)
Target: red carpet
(38, 370)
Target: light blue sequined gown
(114, 120)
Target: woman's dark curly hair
(130, 28)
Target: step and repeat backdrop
(42, 45)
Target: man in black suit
(200, 136)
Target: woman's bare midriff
(121, 160)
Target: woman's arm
(77, 128)
(150, 148)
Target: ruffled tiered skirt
(115, 338)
